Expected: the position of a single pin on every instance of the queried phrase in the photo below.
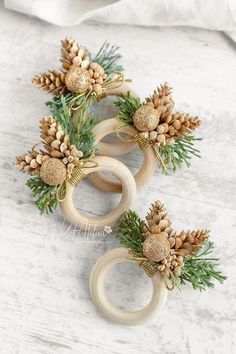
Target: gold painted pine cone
(188, 242)
(57, 144)
(52, 81)
(72, 54)
(164, 249)
(162, 101)
(31, 162)
(157, 220)
(180, 124)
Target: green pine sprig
(200, 269)
(80, 135)
(59, 106)
(108, 57)
(180, 152)
(46, 195)
(60, 112)
(130, 232)
(127, 105)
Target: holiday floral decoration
(178, 257)
(169, 133)
(82, 77)
(66, 149)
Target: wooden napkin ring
(147, 169)
(114, 313)
(75, 217)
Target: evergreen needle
(200, 271)
(46, 195)
(108, 58)
(130, 232)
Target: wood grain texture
(84, 222)
(45, 263)
(105, 306)
(146, 171)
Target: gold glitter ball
(77, 80)
(146, 118)
(156, 247)
(53, 172)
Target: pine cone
(31, 162)
(57, 143)
(157, 220)
(188, 242)
(162, 102)
(181, 124)
(72, 54)
(52, 82)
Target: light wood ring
(75, 217)
(117, 148)
(146, 171)
(111, 312)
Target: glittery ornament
(53, 172)
(77, 80)
(146, 118)
(156, 247)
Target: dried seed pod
(144, 135)
(153, 135)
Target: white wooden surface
(45, 305)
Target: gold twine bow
(144, 144)
(118, 81)
(71, 106)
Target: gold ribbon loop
(71, 106)
(116, 81)
(61, 192)
(143, 143)
(78, 174)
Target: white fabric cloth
(210, 14)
